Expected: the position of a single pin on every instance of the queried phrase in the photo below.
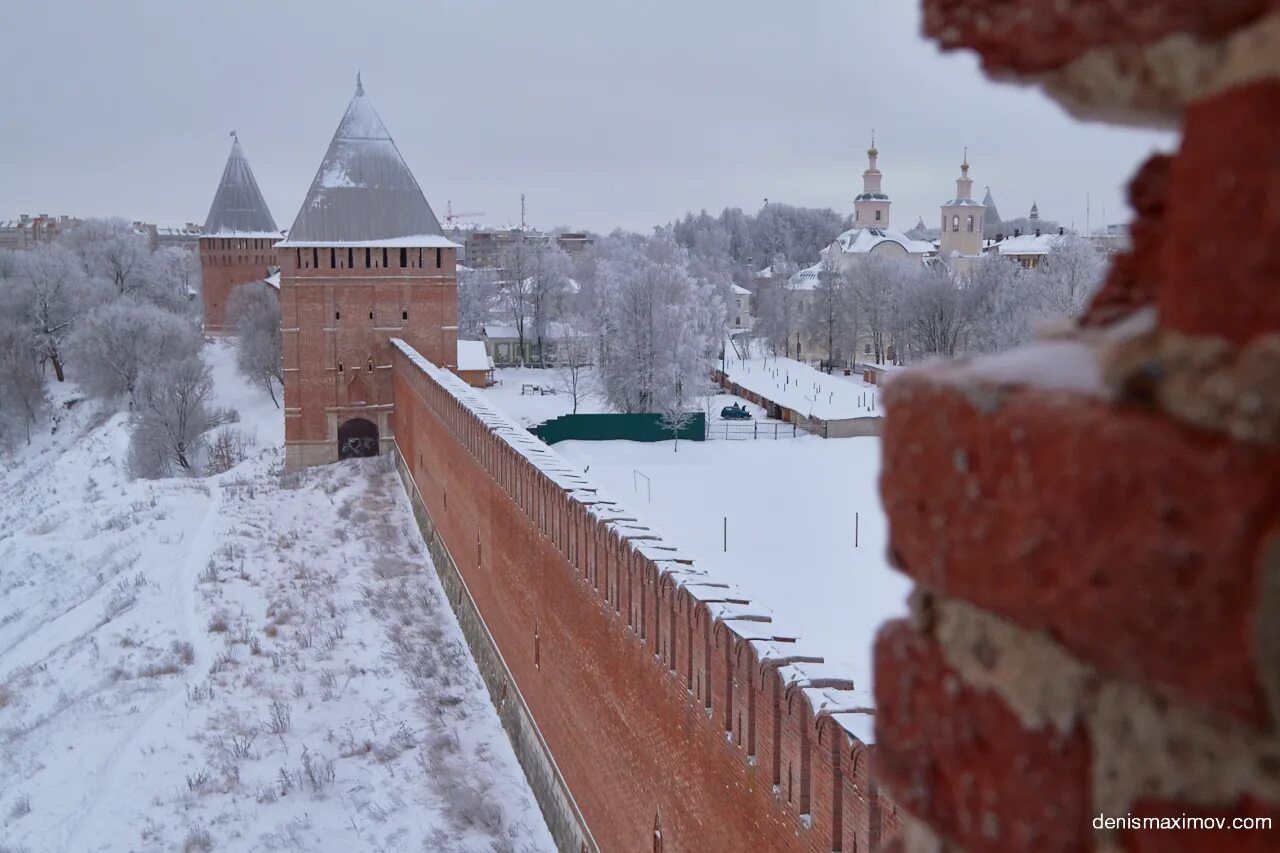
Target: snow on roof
(411, 241)
(472, 356)
(801, 388)
(767, 272)
(858, 241)
(238, 208)
(363, 193)
(962, 202)
(739, 290)
(494, 330)
(725, 602)
(273, 280)
(1026, 244)
(807, 278)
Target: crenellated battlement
(675, 709)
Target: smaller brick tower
(236, 243)
(365, 261)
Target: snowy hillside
(252, 661)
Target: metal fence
(722, 430)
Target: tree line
(892, 309)
(100, 307)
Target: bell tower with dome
(871, 206)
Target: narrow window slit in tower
(439, 257)
(351, 258)
(366, 258)
(384, 257)
(404, 257)
(315, 258)
(333, 258)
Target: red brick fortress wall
(1095, 632)
(225, 264)
(677, 718)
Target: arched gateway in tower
(365, 261)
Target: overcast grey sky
(604, 114)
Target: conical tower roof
(991, 218)
(239, 209)
(363, 192)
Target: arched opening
(357, 438)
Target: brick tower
(237, 239)
(365, 261)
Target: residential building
(27, 232)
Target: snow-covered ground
(252, 661)
(790, 509)
(531, 409)
(791, 506)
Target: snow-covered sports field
(252, 661)
(796, 523)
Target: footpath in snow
(253, 661)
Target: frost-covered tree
(47, 295)
(573, 363)
(116, 344)
(112, 249)
(933, 314)
(22, 391)
(877, 287)
(477, 299)
(1001, 302)
(1066, 277)
(832, 316)
(171, 415)
(254, 312)
(174, 281)
(657, 325)
(547, 287)
(778, 308)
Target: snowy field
(790, 507)
(253, 661)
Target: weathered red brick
(1025, 36)
(1228, 840)
(1221, 251)
(225, 264)
(1135, 276)
(962, 761)
(1130, 538)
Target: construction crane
(451, 218)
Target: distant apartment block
(483, 247)
(27, 231)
